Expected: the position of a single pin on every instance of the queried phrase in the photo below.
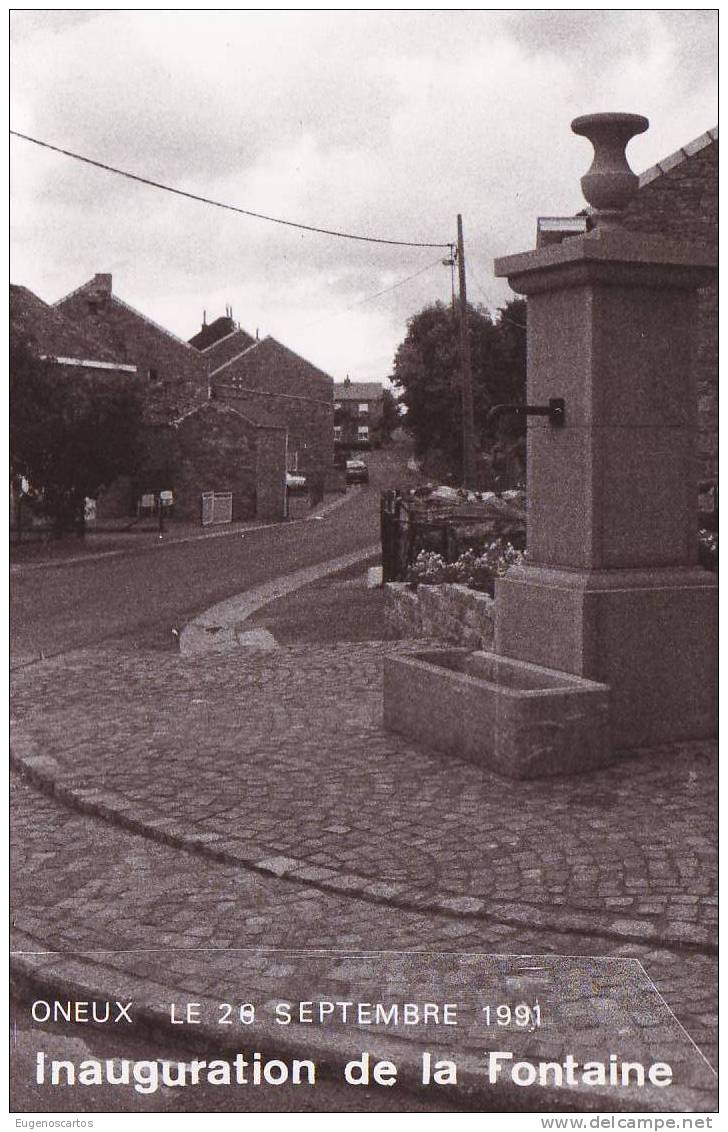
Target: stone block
(516, 719)
(645, 497)
(559, 507)
(650, 635)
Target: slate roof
(249, 358)
(215, 332)
(680, 155)
(225, 349)
(51, 333)
(358, 391)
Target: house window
(153, 374)
(338, 430)
(363, 432)
(363, 408)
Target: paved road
(149, 591)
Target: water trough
(515, 718)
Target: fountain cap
(610, 184)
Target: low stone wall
(448, 611)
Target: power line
(228, 207)
(369, 298)
(503, 317)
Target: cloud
(384, 123)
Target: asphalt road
(148, 592)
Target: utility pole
(466, 370)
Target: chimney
(102, 285)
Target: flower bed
(477, 571)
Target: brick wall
(273, 381)
(682, 203)
(173, 373)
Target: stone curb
(41, 770)
(52, 974)
(218, 628)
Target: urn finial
(609, 184)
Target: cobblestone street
(253, 800)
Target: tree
(427, 371)
(391, 416)
(70, 434)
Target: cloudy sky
(378, 123)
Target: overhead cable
(228, 207)
(376, 295)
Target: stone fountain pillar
(612, 590)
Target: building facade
(267, 381)
(215, 448)
(678, 198)
(358, 411)
(173, 372)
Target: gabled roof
(53, 335)
(252, 416)
(91, 285)
(248, 357)
(358, 390)
(231, 346)
(680, 155)
(212, 332)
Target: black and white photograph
(363, 436)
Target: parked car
(356, 471)
(295, 482)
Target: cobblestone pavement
(278, 760)
(134, 919)
(176, 815)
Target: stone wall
(272, 381)
(219, 454)
(681, 203)
(448, 611)
(172, 374)
(270, 468)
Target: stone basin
(511, 717)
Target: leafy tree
(427, 371)
(70, 434)
(391, 416)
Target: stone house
(358, 410)
(76, 351)
(174, 373)
(227, 450)
(679, 197)
(243, 452)
(261, 376)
